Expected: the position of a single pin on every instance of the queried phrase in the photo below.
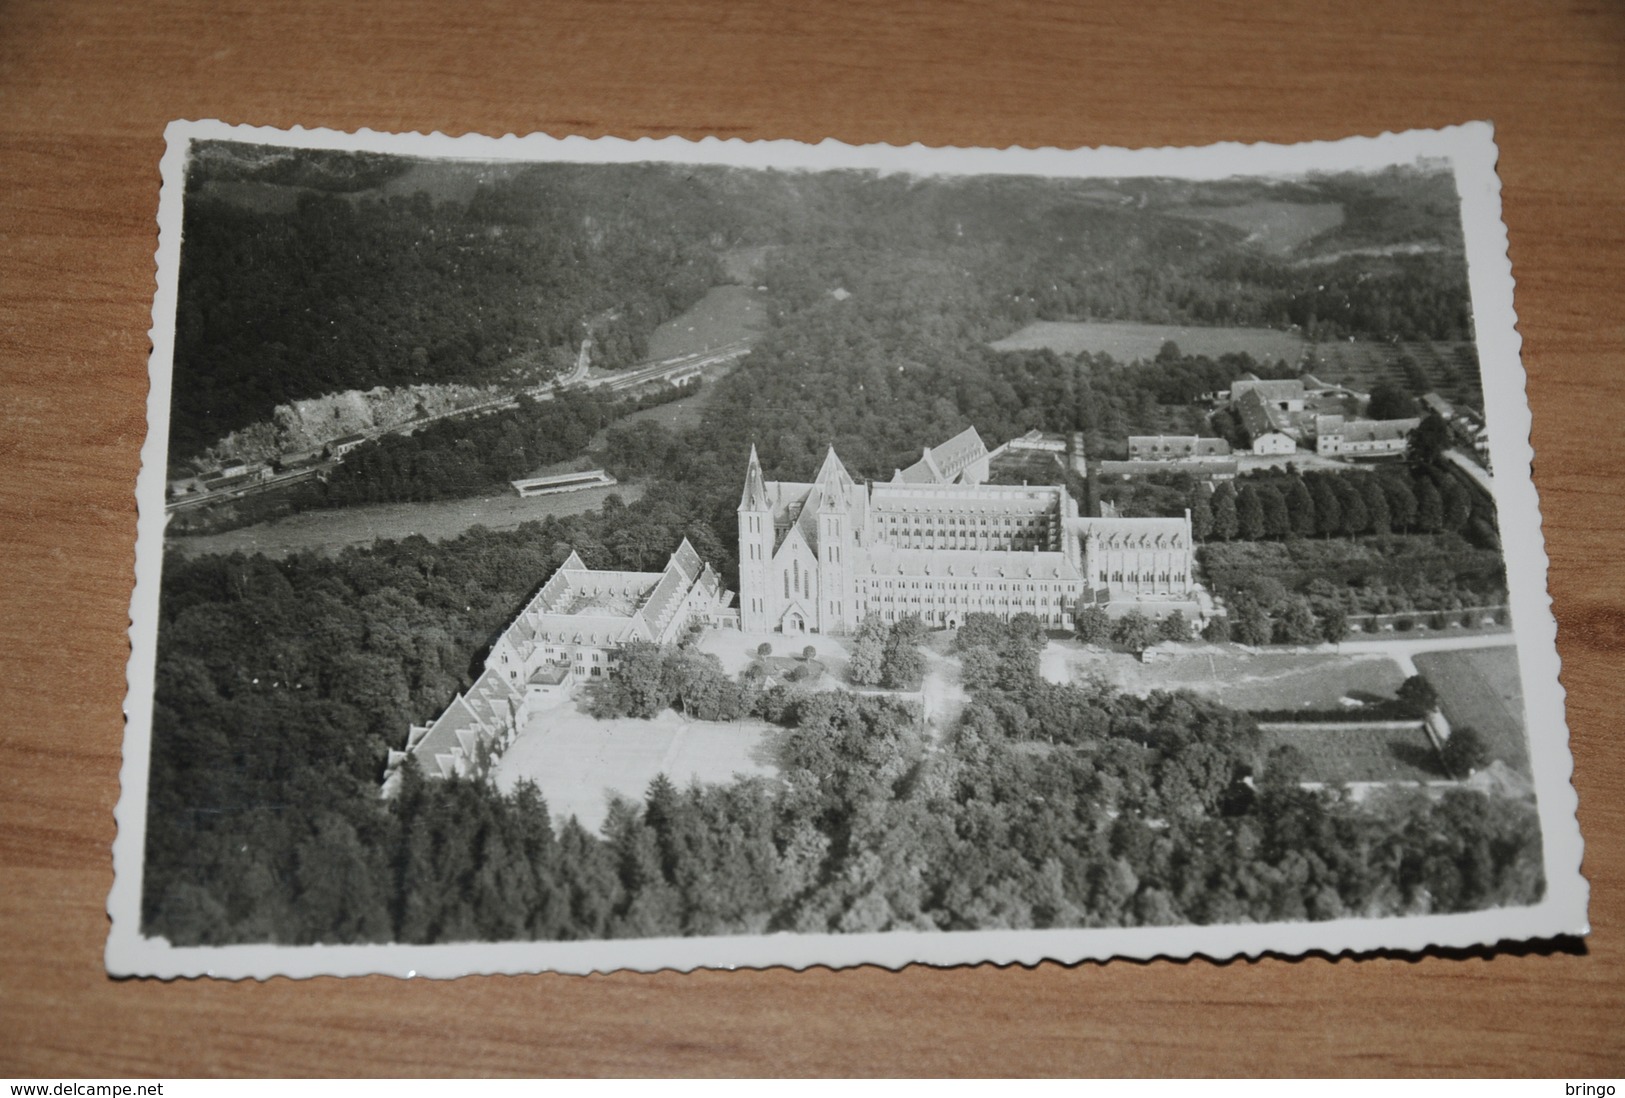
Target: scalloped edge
(1471, 149)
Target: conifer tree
(1429, 508)
(1376, 505)
(1328, 512)
(1277, 523)
(1356, 519)
(1202, 512)
(1300, 506)
(1225, 520)
(1249, 514)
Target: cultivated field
(1450, 369)
(1127, 341)
(579, 763)
(1339, 753)
(1479, 687)
(726, 314)
(1266, 681)
(1277, 227)
(330, 531)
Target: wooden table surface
(87, 89)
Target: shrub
(1135, 632)
(764, 649)
(1174, 627)
(1465, 752)
(1333, 624)
(1418, 695)
(1093, 625)
(809, 653)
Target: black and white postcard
(591, 554)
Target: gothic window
(787, 585)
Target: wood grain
(87, 89)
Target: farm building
(1211, 469)
(1336, 436)
(1177, 448)
(1274, 442)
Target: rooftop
(970, 563)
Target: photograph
(591, 554)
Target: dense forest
(355, 282)
(1045, 806)
(281, 684)
(353, 290)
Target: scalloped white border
(1471, 149)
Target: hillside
(411, 273)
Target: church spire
(832, 474)
(755, 494)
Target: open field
(1127, 341)
(579, 763)
(679, 415)
(438, 520)
(1358, 753)
(726, 314)
(1266, 681)
(1480, 687)
(1277, 227)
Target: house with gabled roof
(963, 459)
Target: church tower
(755, 548)
(837, 595)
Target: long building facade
(934, 542)
(572, 631)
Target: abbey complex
(938, 542)
(935, 542)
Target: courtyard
(579, 762)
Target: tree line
(1047, 806)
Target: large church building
(935, 542)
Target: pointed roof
(754, 497)
(573, 562)
(687, 560)
(924, 471)
(959, 452)
(833, 475)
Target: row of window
(1146, 577)
(1005, 522)
(995, 544)
(928, 585)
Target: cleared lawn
(1268, 681)
(580, 762)
(330, 531)
(726, 314)
(1277, 227)
(1127, 341)
(1359, 754)
(1480, 687)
